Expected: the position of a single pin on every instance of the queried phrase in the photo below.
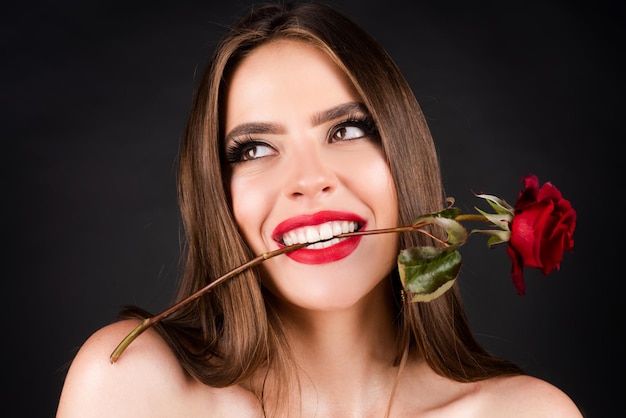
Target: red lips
(325, 255)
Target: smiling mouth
(319, 236)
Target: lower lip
(326, 255)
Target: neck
(345, 357)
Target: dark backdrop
(95, 100)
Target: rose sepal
(499, 205)
(497, 236)
(501, 219)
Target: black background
(95, 100)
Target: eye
(240, 151)
(254, 151)
(346, 133)
(352, 129)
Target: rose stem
(148, 322)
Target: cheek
(386, 195)
(252, 201)
(372, 178)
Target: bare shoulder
(525, 396)
(426, 394)
(143, 377)
(146, 380)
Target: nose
(309, 175)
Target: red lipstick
(324, 255)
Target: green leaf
(456, 232)
(448, 213)
(428, 272)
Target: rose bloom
(542, 229)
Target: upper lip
(316, 227)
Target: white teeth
(323, 244)
(326, 232)
(323, 232)
(312, 235)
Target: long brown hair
(224, 337)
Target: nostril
(308, 175)
(309, 187)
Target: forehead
(284, 76)
(297, 53)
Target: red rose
(542, 229)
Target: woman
(303, 128)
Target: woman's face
(307, 165)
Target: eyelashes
(248, 148)
(354, 129)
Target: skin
(300, 172)
(337, 314)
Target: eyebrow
(338, 112)
(253, 128)
(335, 112)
